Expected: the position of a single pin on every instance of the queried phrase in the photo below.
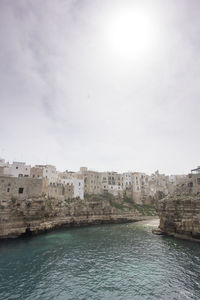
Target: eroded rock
(180, 216)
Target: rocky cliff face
(180, 216)
(34, 215)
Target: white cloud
(66, 99)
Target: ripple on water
(101, 262)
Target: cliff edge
(20, 217)
(180, 216)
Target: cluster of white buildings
(16, 169)
(139, 186)
(48, 172)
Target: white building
(2, 162)
(196, 171)
(140, 180)
(49, 172)
(78, 186)
(17, 169)
(127, 180)
(133, 180)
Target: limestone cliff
(20, 217)
(180, 216)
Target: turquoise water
(101, 262)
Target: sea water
(124, 261)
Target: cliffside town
(39, 198)
(138, 186)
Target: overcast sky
(79, 88)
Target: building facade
(21, 188)
(49, 172)
(92, 181)
(17, 169)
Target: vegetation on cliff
(37, 214)
(123, 203)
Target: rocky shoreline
(180, 216)
(19, 218)
(36, 228)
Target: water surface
(101, 262)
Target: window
(9, 184)
(8, 190)
(21, 190)
(198, 180)
(33, 175)
(16, 167)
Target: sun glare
(131, 33)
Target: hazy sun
(131, 33)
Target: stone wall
(21, 187)
(36, 172)
(61, 191)
(194, 183)
(1, 171)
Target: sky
(107, 84)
